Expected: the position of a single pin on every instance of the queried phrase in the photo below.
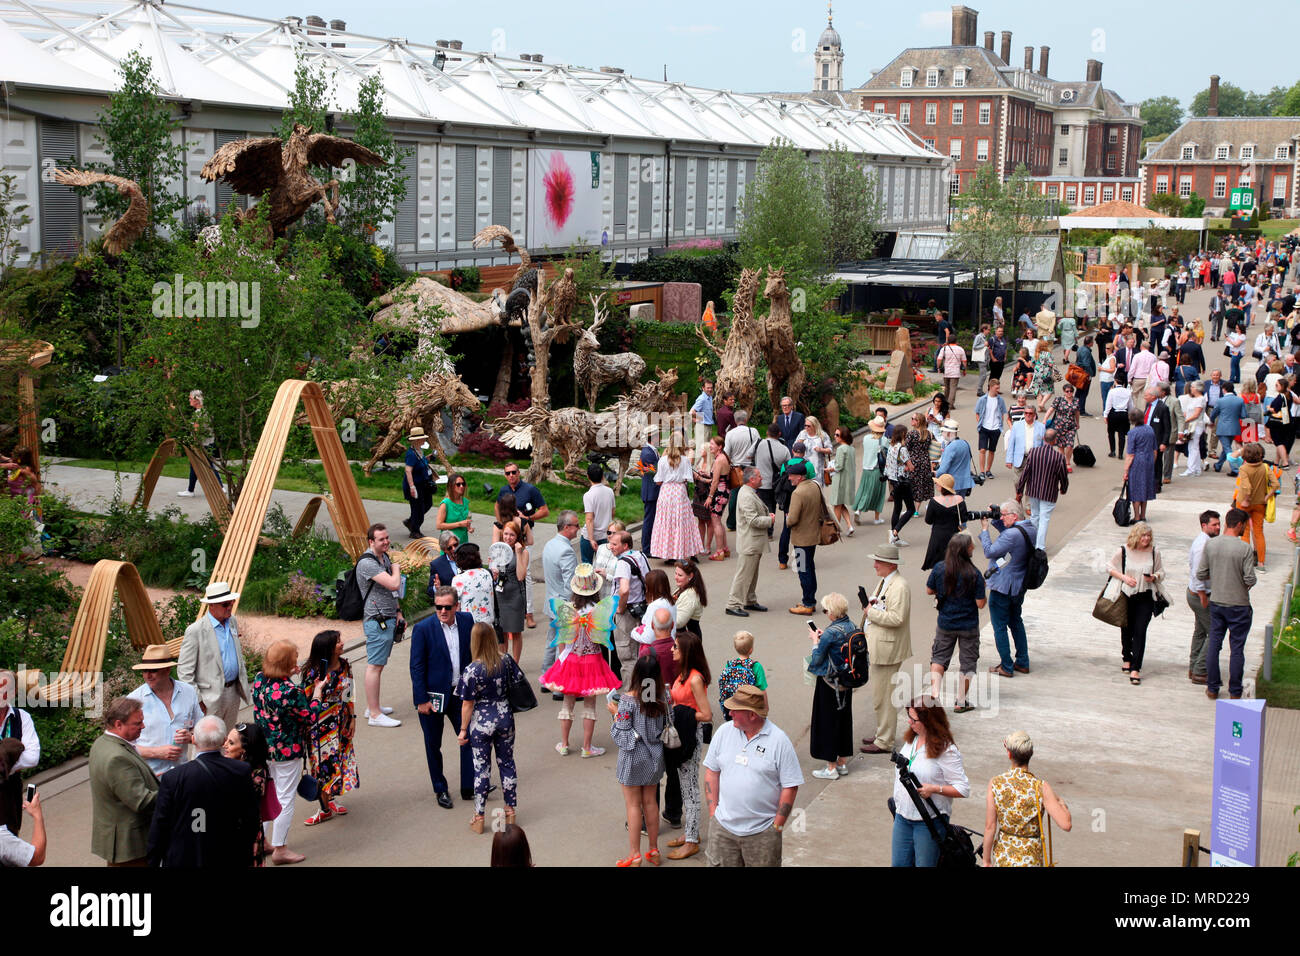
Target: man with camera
(1008, 561)
(630, 570)
(380, 582)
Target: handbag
(669, 736)
(519, 692)
(1111, 606)
(978, 356)
(1122, 512)
(1044, 835)
(830, 530)
(1270, 510)
(308, 786)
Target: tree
(309, 101)
(1124, 250)
(371, 194)
(1290, 104)
(1167, 203)
(139, 132)
(1194, 206)
(1234, 101)
(852, 205)
(785, 206)
(1266, 104)
(13, 220)
(1163, 114)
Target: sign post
(1238, 782)
(1242, 197)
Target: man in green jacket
(122, 788)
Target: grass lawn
(1284, 689)
(1269, 228)
(386, 485)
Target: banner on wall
(563, 198)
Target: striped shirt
(1044, 472)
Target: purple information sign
(1238, 773)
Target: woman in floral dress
(918, 449)
(330, 755)
(1044, 385)
(676, 534)
(1064, 417)
(1017, 801)
(474, 585)
(486, 721)
(283, 712)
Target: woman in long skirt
(676, 534)
(871, 484)
(845, 471)
(330, 754)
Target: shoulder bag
(1122, 512)
(1044, 830)
(519, 692)
(1112, 603)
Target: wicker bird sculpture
(133, 222)
(281, 169)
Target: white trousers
(284, 776)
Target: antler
(699, 330)
(600, 315)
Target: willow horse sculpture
(129, 228)
(280, 169)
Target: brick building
(1212, 155)
(1079, 140)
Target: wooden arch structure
(202, 466)
(31, 356)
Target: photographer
(1008, 561)
(931, 756)
(13, 850)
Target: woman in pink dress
(676, 535)
(582, 628)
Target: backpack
(349, 602)
(1036, 566)
(737, 672)
(636, 608)
(782, 489)
(849, 660)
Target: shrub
(301, 596)
(483, 442)
(466, 279)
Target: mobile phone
(862, 595)
(812, 627)
(31, 792)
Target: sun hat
(887, 553)
(877, 426)
(156, 658)
(417, 435)
(946, 482)
(586, 580)
(747, 697)
(950, 425)
(218, 593)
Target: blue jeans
(1234, 369)
(586, 550)
(912, 844)
(1235, 622)
(1105, 390)
(805, 564)
(1004, 610)
(783, 543)
(1225, 445)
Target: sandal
(1134, 680)
(653, 857)
(963, 708)
(676, 842)
(633, 860)
(476, 825)
(341, 811)
(1125, 669)
(319, 817)
(718, 556)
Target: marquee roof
(209, 57)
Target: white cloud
(696, 28)
(934, 19)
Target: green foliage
(852, 205)
(1167, 203)
(714, 270)
(672, 345)
(466, 279)
(1290, 103)
(311, 99)
(1194, 207)
(372, 193)
(365, 269)
(17, 530)
(785, 206)
(1234, 101)
(996, 222)
(13, 219)
(137, 131)
(1163, 114)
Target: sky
(1148, 48)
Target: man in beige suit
(123, 789)
(1045, 325)
(889, 643)
(211, 658)
(752, 521)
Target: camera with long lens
(993, 514)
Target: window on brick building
(905, 113)
(929, 143)
(986, 116)
(954, 186)
(1184, 186)
(1282, 152)
(958, 114)
(1126, 194)
(931, 113)
(959, 77)
(879, 107)
(1089, 194)
(931, 78)
(1162, 184)
(1063, 157)
(1244, 180)
(1248, 152)
(1065, 131)
(1113, 136)
(1110, 160)
(982, 150)
(1220, 187)
(905, 78)
(1279, 187)
(1223, 152)
(1189, 152)
(1107, 193)
(1071, 194)
(954, 148)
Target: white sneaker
(879, 521)
(184, 494)
(900, 542)
(826, 773)
(385, 710)
(383, 720)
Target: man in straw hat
(171, 709)
(751, 779)
(417, 484)
(955, 459)
(211, 658)
(889, 643)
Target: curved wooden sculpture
(282, 169)
(134, 221)
(202, 466)
(785, 371)
(82, 671)
(741, 353)
(346, 506)
(595, 370)
(27, 356)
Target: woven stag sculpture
(595, 370)
(283, 169)
(785, 371)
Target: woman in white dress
(1193, 402)
(817, 447)
(676, 533)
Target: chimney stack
(315, 25)
(988, 40)
(1006, 47)
(964, 22)
(1214, 97)
(339, 26)
(1094, 71)
(455, 44)
(1029, 59)
(1042, 60)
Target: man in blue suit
(444, 567)
(789, 421)
(1227, 414)
(439, 653)
(649, 489)
(1019, 442)
(955, 459)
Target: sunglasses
(509, 473)
(459, 484)
(445, 607)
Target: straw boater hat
(218, 593)
(417, 435)
(877, 426)
(747, 697)
(586, 580)
(947, 483)
(887, 553)
(950, 425)
(156, 658)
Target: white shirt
(946, 771)
(451, 634)
(665, 472)
(14, 851)
(1106, 371)
(599, 502)
(1190, 405)
(753, 772)
(1118, 399)
(27, 733)
(160, 727)
(1194, 583)
(648, 618)
(992, 420)
(740, 444)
